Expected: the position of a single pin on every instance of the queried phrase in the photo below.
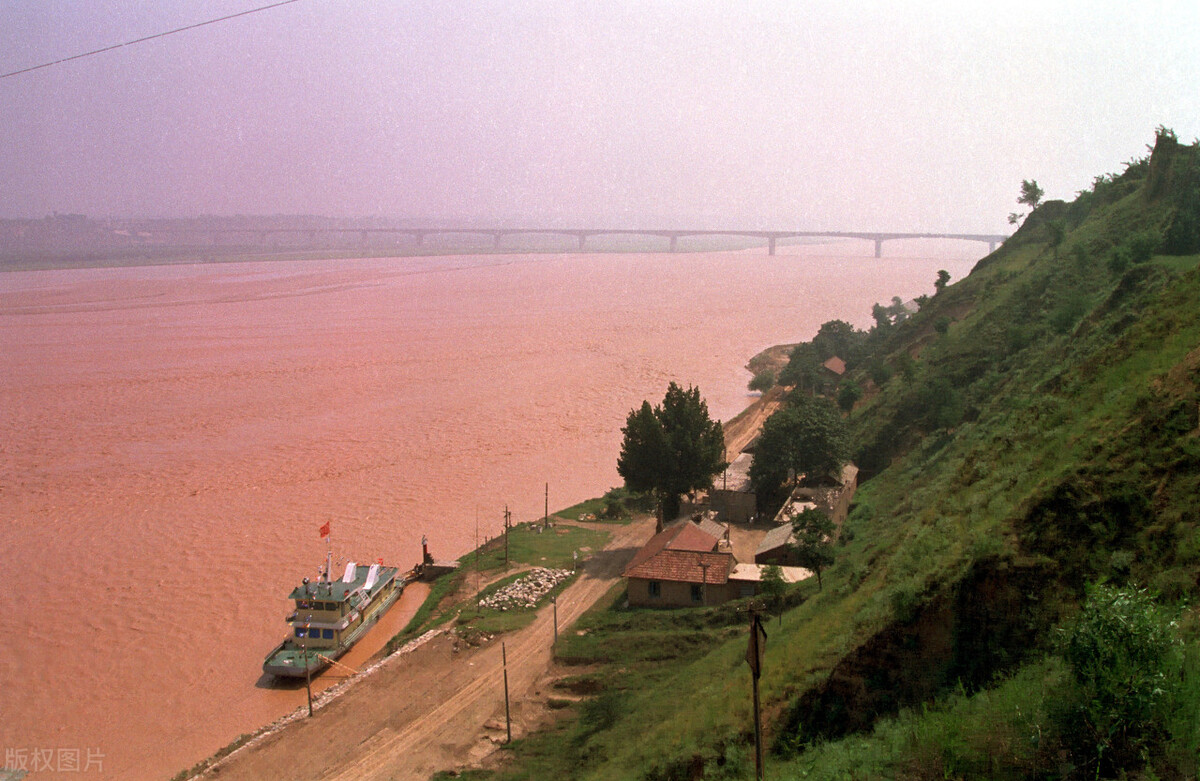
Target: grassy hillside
(1032, 441)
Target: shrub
(763, 381)
(1121, 651)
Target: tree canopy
(1031, 194)
(805, 441)
(671, 449)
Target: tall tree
(812, 531)
(803, 442)
(671, 449)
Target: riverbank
(436, 703)
(436, 655)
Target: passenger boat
(331, 615)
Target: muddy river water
(172, 437)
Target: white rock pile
(526, 591)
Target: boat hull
(288, 659)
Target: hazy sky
(821, 115)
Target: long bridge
(419, 234)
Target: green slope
(1039, 432)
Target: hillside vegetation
(1011, 592)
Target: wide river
(172, 437)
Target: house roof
(776, 538)
(736, 476)
(753, 572)
(676, 553)
(684, 567)
(835, 365)
(707, 524)
(798, 503)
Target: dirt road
(431, 710)
(745, 427)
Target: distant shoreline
(135, 257)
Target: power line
(148, 38)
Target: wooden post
(754, 657)
(546, 518)
(507, 717)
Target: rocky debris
(527, 591)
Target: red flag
(325, 530)
(381, 560)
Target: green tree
(813, 531)
(1031, 194)
(773, 588)
(671, 449)
(837, 337)
(848, 395)
(803, 442)
(1057, 230)
(943, 278)
(763, 381)
(803, 370)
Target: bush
(1122, 651)
(848, 395)
(763, 381)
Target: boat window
(303, 604)
(299, 631)
(327, 634)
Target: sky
(901, 116)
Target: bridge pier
(582, 238)
(770, 245)
(879, 248)
(991, 247)
(674, 242)
(496, 240)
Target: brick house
(681, 566)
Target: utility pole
(507, 717)
(704, 582)
(477, 608)
(554, 601)
(546, 517)
(507, 516)
(754, 657)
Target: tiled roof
(684, 567)
(691, 537)
(669, 552)
(835, 365)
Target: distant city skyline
(921, 116)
